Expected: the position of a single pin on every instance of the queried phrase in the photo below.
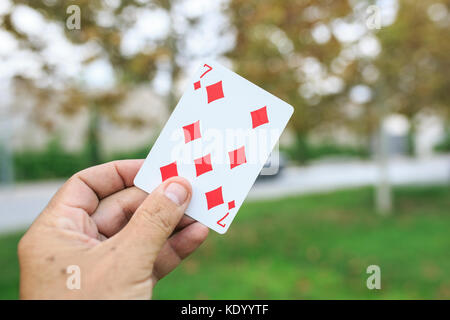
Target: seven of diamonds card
(218, 137)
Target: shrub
(54, 161)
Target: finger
(178, 247)
(85, 188)
(114, 212)
(154, 221)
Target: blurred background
(366, 157)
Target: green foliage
(51, 162)
(140, 153)
(55, 162)
(273, 38)
(444, 145)
(9, 266)
(310, 247)
(330, 149)
(303, 151)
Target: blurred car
(273, 166)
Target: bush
(327, 149)
(51, 162)
(444, 145)
(303, 151)
(54, 162)
(140, 153)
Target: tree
(414, 58)
(104, 41)
(277, 41)
(275, 48)
(103, 30)
(410, 80)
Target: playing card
(218, 137)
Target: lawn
(311, 247)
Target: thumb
(155, 219)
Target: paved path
(20, 204)
(330, 176)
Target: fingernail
(177, 193)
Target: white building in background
(430, 131)
(71, 130)
(141, 102)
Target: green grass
(9, 266)
(311, 247)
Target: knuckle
(73, 179)
(127, 212)
(76, 175)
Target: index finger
(86, 188)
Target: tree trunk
(172, 44)
(302, 148)
(93, 138)
(383, 195)
(6, 164)
(411, 138)
(6, 154)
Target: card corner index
(209, 61)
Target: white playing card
(218, 137)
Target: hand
(122, 239)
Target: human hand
(122, 239)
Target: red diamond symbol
(214, 198)
(197, 85)
(192, 131)
(231, 205)
(214, 91)
(259, 117)
(168, 171)
(203, 164)
(237, 157)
